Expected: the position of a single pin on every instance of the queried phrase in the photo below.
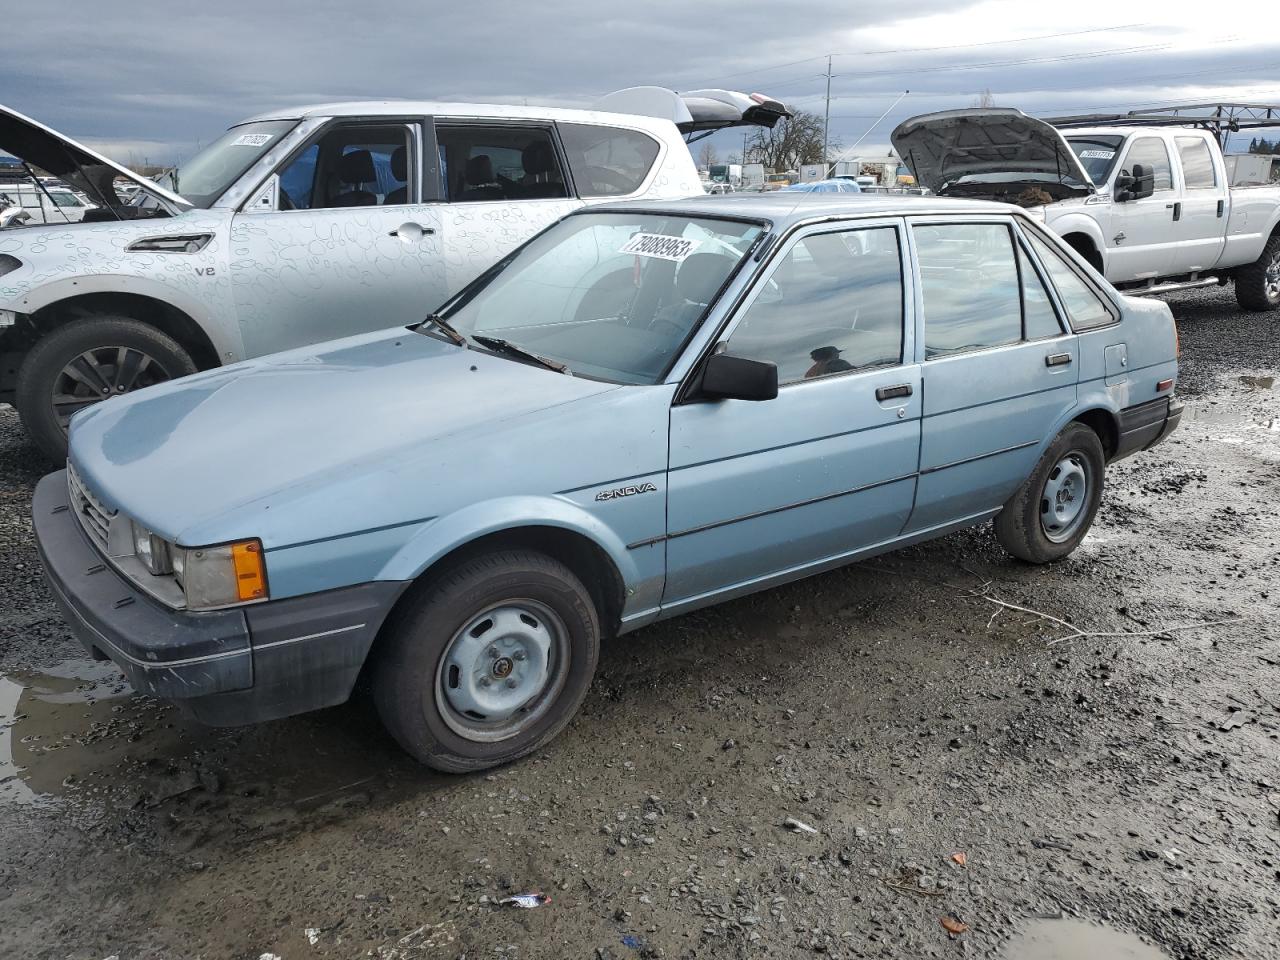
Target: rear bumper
(224, 667)
(1145, 425)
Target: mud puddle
(1078, 940)
(77, 732)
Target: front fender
(641, 570)
(1081, 223)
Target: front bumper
(225, 667)
(1146, 424)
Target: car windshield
(207, 175)
(614, 296)
(1096, 155)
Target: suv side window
(1151, 152)
(969, 280)
(607, 161)
(480, 163)
(350, 165)
(1197, 163)
(1084, 307)
(832, 304)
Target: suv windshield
(613, 296)
(204, 178)
(1096, 155)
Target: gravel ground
(953, 759)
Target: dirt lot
(1113, 796)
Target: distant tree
(793, 141)
(707, 156)
(984, 99)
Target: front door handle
(1057, 360)
(411, 232)
(892, 393)
(1177, 211)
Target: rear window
(607, 161)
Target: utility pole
(826, 122)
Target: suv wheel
(1258, 284)
(489, 662)
(1052, 511)
(85, 362)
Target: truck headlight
(151, 551)
(221, 576)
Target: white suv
(308, 224)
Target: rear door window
(1085, 308)
(1040, 319)
(501, 162)
(607, 161)
(1197, 163)
(969, 279)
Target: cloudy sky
(151, 81)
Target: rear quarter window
(1085, 308)
(607, 161)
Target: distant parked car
(834, 185)
(465, 507)
(307, 224)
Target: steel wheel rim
(99, 373)
(502, 671)
(1064, 498)
(1271, 280)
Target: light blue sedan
(646, 409)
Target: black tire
(409, 672)
(42, 371)
(1255, 290)
(1021, 525)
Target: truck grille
(94, 517)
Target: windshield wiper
(445, 327)
(506, 346)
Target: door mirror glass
(1137, 185)
(727, 377)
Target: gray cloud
(154, 80)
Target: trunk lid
(85, 169)
(989, 145)
(696, 110)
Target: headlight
(151, 551)
(221, 576)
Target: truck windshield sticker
(660, 246)
(1097, 154)
(252, 140)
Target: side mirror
(726, 377)
(1137, 185)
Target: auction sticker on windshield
(252, 140)
(1097, 154)
(660, 246)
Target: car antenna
(43, 189)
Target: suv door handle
(890, 393)
(410, 231)
(1057, 360)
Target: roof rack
(1221, 119)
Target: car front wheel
(1051, 512)
(487, 663)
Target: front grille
(94, 517)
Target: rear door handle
(1057, 360)
(1177, 211)
(891, 393)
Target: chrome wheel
(502, 670)
(100, 373)
(1065, 496)
(1271, 279)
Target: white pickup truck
(1149, 207)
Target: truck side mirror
(726, 377)
(1137, 185)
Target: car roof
(1124, 131)
(437, 108)
(783, 208)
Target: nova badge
(630, 491)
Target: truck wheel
(1258, 284)
(84, 362)
(489, 662)
(1052, 511)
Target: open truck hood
(696, 110)
(992, 144)
(86, 170)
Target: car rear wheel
(1054, 508)
(85, 362)
(487, 663)
(1258, 284)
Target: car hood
(85, 169)
(181, 456)
(940, 148)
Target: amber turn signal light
(251, 571)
